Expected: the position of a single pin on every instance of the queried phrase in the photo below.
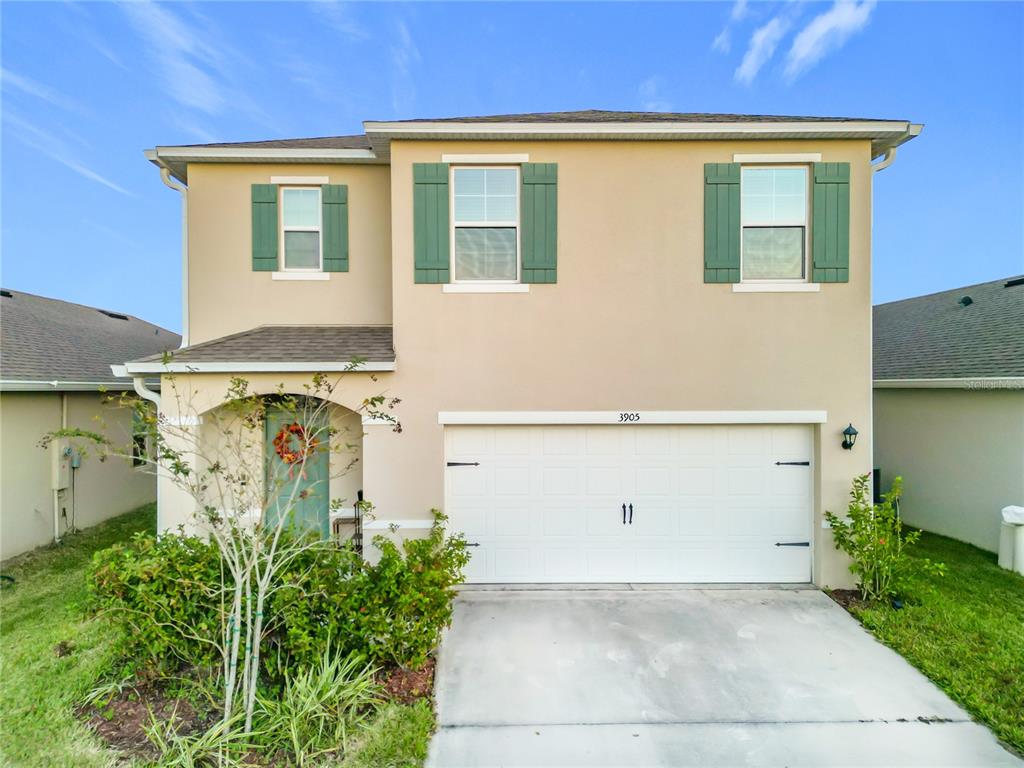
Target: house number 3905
(629, 416)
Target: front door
(297, 489)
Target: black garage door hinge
(463, 463)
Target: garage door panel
(709, 503)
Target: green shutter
(539, 235)
(430, 222)
(721, 222)
(830, 224)
(264, 227)
(334, 200)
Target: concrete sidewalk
(693, 677)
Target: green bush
(873, 537)
(166, 593)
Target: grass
(44, 608)
(965, 631)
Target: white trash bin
(1011, 540)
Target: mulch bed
(407, 685)
(847, 598)
(122, 721)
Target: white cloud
(762, 47)
(739, 10)
(404, 56)
(339, 16)
(723, 41)
(26, 85)
(651, 98)
(825, 33)
(57, 150)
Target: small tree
(245, 497)
(872, 535)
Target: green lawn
(40, 689)
(44, 607)
(965, 631)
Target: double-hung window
(485, 225)
(773, 210)
(301, 229)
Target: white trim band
(256, 366)
(485, 288)
(971, 383)
(470, 159)
(779, 157)
(631, 417)
(776, 287)
(300, 276)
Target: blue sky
(87, 86)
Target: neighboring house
(55, 362)
(949, 406)
(626, 344)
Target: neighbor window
(300, 228)
(140, 439)
(773, 205)
(486, 224)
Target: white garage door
(654, 503)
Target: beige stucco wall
(227, 296)
(960, 453)
(102, 489)
(630, 325)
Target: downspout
(889, 159)
(170, 181)
(139, 385)
(56, 491)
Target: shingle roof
(359, 141)
(614, 116)
(942, 336)
(291, 344)
(46, 340)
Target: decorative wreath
(304, 448)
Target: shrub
(873, 537)
(166, 593)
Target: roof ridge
(948, 290)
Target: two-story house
(627, 345)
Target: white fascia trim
(642, 417)
(248, 154)
(16, 385)
(383, 525)
(469, 159)
(334, 366)
(873, 129)
(972, 383)
(485, 288)
(776, 287)
(313, 276)
(300, 180)
(780, 157)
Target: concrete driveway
(686, 677)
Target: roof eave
(177, 159)
(963, 382)
(141, 368)
(57, 385)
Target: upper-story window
(773, 206)
(301, 228)
(485, 224)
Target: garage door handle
(473, 544)
(630, 514)
(792, 543)
(623, 514)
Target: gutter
(255, 366)
(165, 177)
(25, 385)
(975, 383)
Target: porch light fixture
(849, 437)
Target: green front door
(297, 490)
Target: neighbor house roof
(374, 145)
(299, 348)
(972, 332)
(48, 344)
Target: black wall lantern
(849, 437)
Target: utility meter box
(60, 456)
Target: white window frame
(806, 224)
(319, 228)
(455, 224)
